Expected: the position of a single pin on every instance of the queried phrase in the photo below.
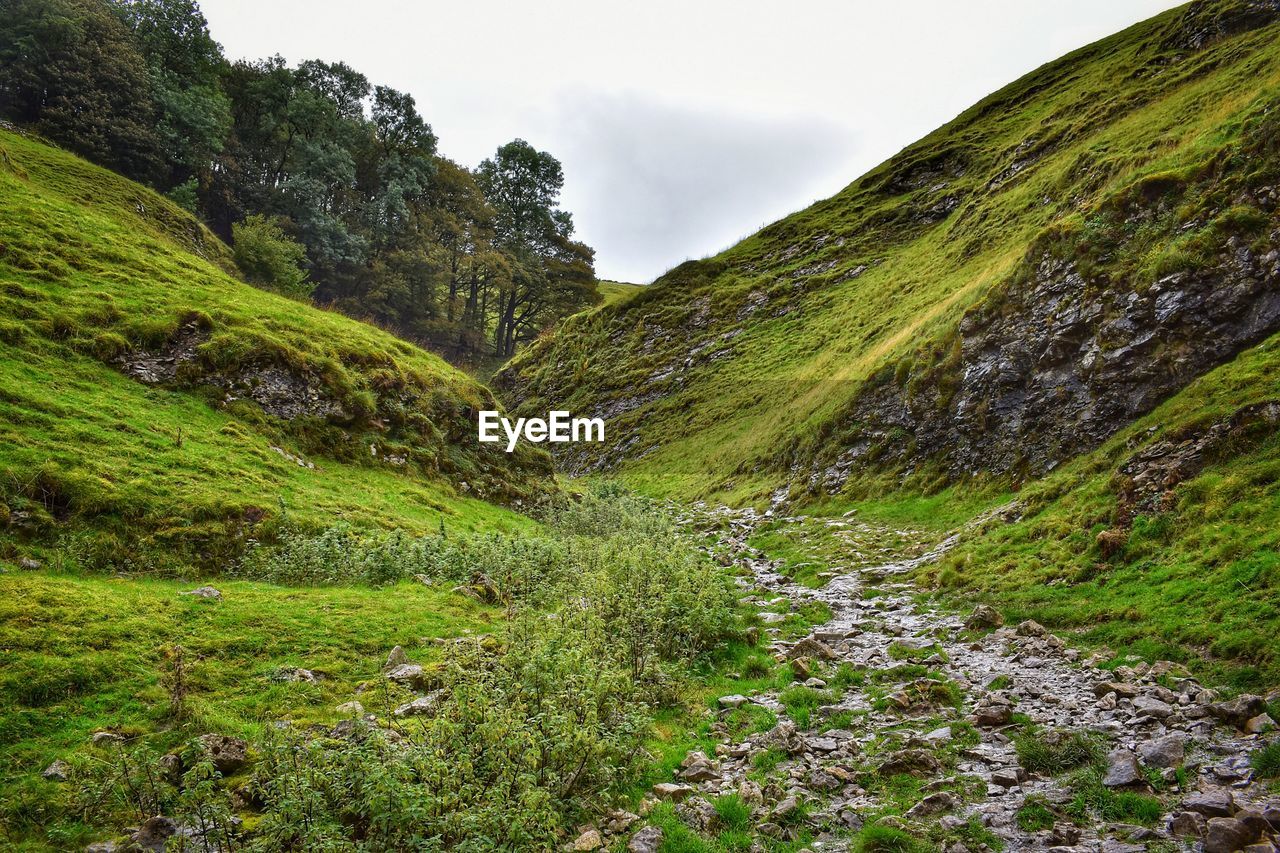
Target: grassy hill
(752, 370)
(151, 399)
(616, 291)
(1065, 297)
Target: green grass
(617, 291)
(785, 328)
(1266, 760)
(84, 652)
(93, 266)
(782, 338)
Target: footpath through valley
(902, 721)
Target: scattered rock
(1123, 770)
(1240, 710)
(672, 791)
(155, 833)
(983, 617)
(1211, 803)
(351, 709)
(734, 701)
(57, 771)
(589, 840)
(29, 563)
(912, 761)
(1226, 835)
(207, 593)
(647, 840)
(1150, 707)
(785, 809)
(106, 738)
(1168, 751)
(229, 754)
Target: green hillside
(1133, 158)
(1064, 298)
(257, 408)
(616, 291)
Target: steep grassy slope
(876, 337)
(156, 413)
(616, 291)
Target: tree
(185, 65)
(71, 69)
(553, 274)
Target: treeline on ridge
(327, 187)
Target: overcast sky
(682, 125)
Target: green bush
(268, 258)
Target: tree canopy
(311, 155)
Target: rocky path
(907, 717)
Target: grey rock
(1122, 770)
(734, 701)
(396, 658)
(673, 792)
(410, 675)
(647, 839)
(1240, 710)
(155, 833)
(207, 593)
(943, 801)
(1226, 835)
(228, 754)
(1168, 751)
(1187, 825)
(422, 706)
(983, 617)
(1211, 803)
(57, 771)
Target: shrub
(268, 258)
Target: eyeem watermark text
(559, 426)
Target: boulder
(589, 840)
(1148, 706)
(785, 810)
(57, 771)
(943, 801)
(409, 675)
(206, 593)
(1120, 688)
(229, 754)
(672, 791)
(395, 659)
(811, 648)
(1240, 710)
(698, 814)
(1187, 825)
(696, 767)
(1211, 803)
(155, 833)
(1168, 751)
(1123, 770)
(1031, 628)
(983, 617)
(647, 840)
(420, 707)
(1226, 835)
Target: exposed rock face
(1062, 361)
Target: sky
(682, 126)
